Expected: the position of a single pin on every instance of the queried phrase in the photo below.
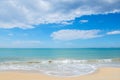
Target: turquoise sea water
(60, 62)
(89, 53)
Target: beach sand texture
(100, 74)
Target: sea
(63, 62)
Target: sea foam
(60, 67)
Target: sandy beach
(100, 74)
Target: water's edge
(64, 68)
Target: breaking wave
(60, 67)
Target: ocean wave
(59, 67)
(53, 69)
(67, 61)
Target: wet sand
(100, 74)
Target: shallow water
(59, 62)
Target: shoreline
(105, 73)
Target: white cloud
(26, 13)
(113, 32)
(67, 23)
(83, 21)
(75, 34)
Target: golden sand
(101, 74)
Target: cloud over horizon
(75, 34)
(113, 32)
(26, 13)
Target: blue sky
(59, 23)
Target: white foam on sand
(65, 68)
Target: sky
(59, 23)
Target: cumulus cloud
(75, 34)
(113, 32)
(83, 21)
(67, 23)
(26, 13)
